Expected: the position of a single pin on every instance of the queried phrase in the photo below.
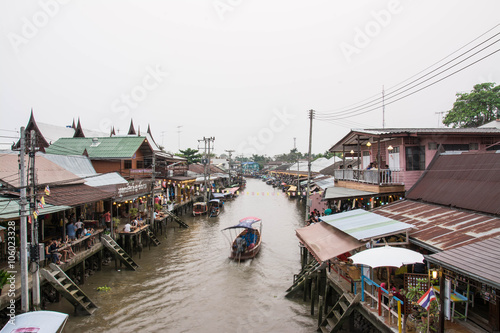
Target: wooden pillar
(313, 294)
(82, 281)
(99, 260)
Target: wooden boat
(199, 208)
(245, 238)
(37, 321)
(215, 206)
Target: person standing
(71, 231)
(79, 228)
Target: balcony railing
(377, 177)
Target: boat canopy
(218, 195)
(37, 321)
(200, 203)
(245, 223)
(215, 200)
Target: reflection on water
(187, 284)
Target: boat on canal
(199, 208)
(245, 238)
(215, 207)
(37, 321)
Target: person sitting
(64, 252)
(135, 224)
(127, 227)
(55, 255)
(240, 244)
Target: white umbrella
(387, 256)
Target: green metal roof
(103, 147)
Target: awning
(325, 242)
(10, 208)
(364, 225)
(340, 193)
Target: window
(456, 147)
(473, 146)
(140, 164)
(127, 164)
(148, 162)
(415, 158)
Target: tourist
(79, 228)
(127, 227)
(71, 231)
(55, 255)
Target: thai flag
(427, 298)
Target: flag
(35, 215)
(43, 201)
(29, 219)
(40, 204)
(427, 298)
(47, 190)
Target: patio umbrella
(387, 256)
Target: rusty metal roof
(479, 261)
(441, 228)
(73, 195)
(468, 180)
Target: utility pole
(25, 297)
(179, 136)
(151, 209)
(311, 117)
(230, 164)
(440, 116)
(298, 169)
(35, 277)
(206, 163)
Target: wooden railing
(378, 177)
(376, 294)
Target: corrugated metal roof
(325, 183)
(345, 193)
(365, 225)
(442, 228)
(74, 195)
(104, 147)
(480, 261)
(467, 180)
(106, 179)
(47, 172)
(77, 164)
(380, 131)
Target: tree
(192, 155)
(476, 108)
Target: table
(456, 298)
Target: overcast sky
(244, 72)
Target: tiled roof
(73, 195)
(104, 147)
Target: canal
(187, 284)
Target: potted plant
(133, 212)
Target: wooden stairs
(176, 219)
(339, 313)
(153, 238)
(69, 289)
(122, 255)
(300, 278)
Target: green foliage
(133, 212)
(476, 108)
(158, 207)
(103, 288)
(413, 294)
(4, 276)
(191, 155)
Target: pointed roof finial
(73, 126)
(139, 130)
(78, 130)
(131, 130)
(112, 131)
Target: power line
(409, 94)
(370, 103)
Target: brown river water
(187, 284)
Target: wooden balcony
(378, 181)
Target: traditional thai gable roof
(79, 131)
(116, 147)
(131, 130)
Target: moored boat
(245, 238)
(215, 206)
(199, 208)
(37, 321)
